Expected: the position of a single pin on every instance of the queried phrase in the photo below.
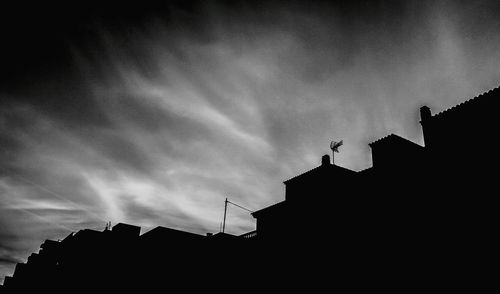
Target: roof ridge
(314, 168)
(317, 168)
(468, 101)
(383, 138)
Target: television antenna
(335, 148)
(226, 202)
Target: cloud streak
(159, 123)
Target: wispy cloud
(167, 118)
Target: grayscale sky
(153, 115)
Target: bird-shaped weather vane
(335, 148)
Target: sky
(153, 114)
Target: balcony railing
(249, 235)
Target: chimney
(325, 160)
(425, 116)
(425, 113)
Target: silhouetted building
(417, 216)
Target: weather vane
(335, 148)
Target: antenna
(225, 211)
(335, 148)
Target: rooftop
(328, 168)
(485, 95)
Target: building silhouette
(419, 218)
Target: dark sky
(152, 114)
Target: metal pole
(225, 210)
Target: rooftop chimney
(325, 160)
(425, 113)
(425, 116)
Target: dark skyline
(154, 115)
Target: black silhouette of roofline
(393, 136)
(413, 205)
(161, 229)
(462, 105)
(311, 171)
(259, 212)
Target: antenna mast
(335, 148)
(225, 211)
